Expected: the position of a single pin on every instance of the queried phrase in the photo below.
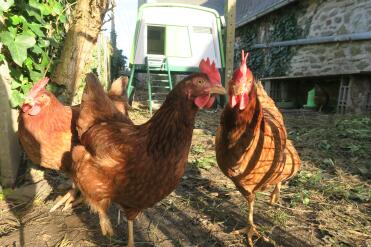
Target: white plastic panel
(202, 29)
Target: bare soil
(326, 204)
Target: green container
(310, 99)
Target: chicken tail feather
(96, 106)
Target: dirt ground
(326, 204)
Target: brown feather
(252, 147)
(135, 166)
(48, 138)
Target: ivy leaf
(36, 76)
(35, 12)
(17, 45)
(44, 43)
(36, 28)
(28, 62)
(57, 9)
(13, 30)
(15, 84)
(16, 98)
(26, 88)
(5, 5)
(17, 19)
(63, 18)
(7, 37)
(36, 49)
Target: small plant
(324, 145)
(302, 197)
(198, 149)
(280, 217)
(205, 162)
(31, 33)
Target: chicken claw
(105, 224)
(67, 200)
(251, 231)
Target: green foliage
(206, 162)
(203, 158)
(309, 181)
(281, 25)
(118, 63)
(31, 33)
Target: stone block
(362, 65)
(10, 150)
(355, 50)
(338, 19)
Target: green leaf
(7, 37)
(5, 5)
(306, 201)
(16, 98)
(26, 88)
(13, 30)
(63, 18)
(36, 28)
(57, 9)
(17, 19)
(36, 76)
(28, 62)
(15, 84)
(44, 43)
(36, 49)
(17, 45)
(1, 57)
(35, 12)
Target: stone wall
(329, 18)
(309, 19)
(9, 145)
(360, 86)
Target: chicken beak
(218, 89)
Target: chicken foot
(105, 223)
(67, 199)
(250, 229)
(275, 196)
(131, 233)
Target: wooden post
(230, 10)
(9, 145)
(79, 42)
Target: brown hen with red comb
(251, 143)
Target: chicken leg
(131, 233)
(275, 196)
(250, 229)
(105, 223)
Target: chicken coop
(173, 38)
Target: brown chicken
(47, 129)
(136, 166)
(321, 98)
(251, 142)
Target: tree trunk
(79, 43)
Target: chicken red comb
(37, 87)
(211, 71)
(243, 72)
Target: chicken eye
(200, 82)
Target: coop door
(203, 43)
(177, 42)
(156, 40)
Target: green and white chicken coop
(173, 38)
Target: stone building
(296, 46)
